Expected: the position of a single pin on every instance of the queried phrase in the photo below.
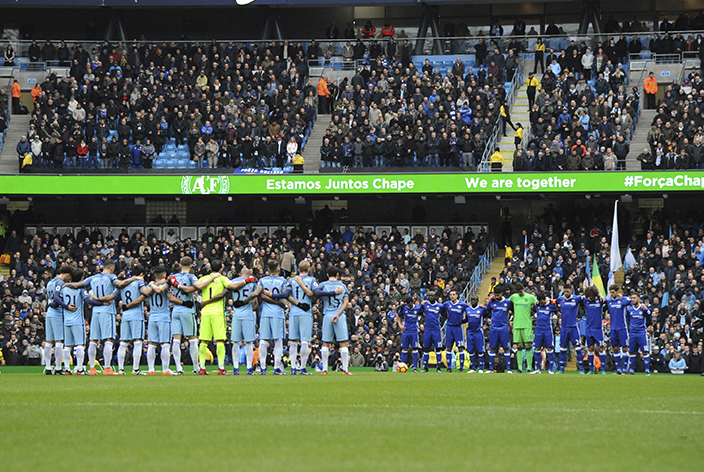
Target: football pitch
(372, 421)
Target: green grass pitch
(369, 422)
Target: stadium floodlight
(423, 197)
(300, 200)
(229, 199)
(588, 197)
(105, 199)
(460, 200)
(664, 195)
(498, 197)
(263, 199)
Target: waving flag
(629, 261)
(596, 278)
(615, 252)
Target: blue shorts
(409, 340)
(183, 324)
(102, 326)
(619, 337)
(54, 329)
(432, 339)
(130, 330)
(475, 341)
(272, 328)
(582, 325)
(75, 335)
(544, 339)
(300, 328)
(498, 337)
(243, 330)
(454, 334)
(595, 336)
(568, 335)
(159, 332)
(335, 331)
(638, 342)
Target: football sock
(92, 351)
(324, 352)
(519, 359)
(220, 349)
(137, 355)
(345, 356)
(426, 359)
(529, 359)
(193, 349)
(602, 358)
(305, 351)
(293, 354)
(646, 361)
(165, 357)
(121, 352)
(631, 362)
(404, 356)
(236, 355)
(590, 358)
(249, 354)
(507, 358)
(278, 353)
(67, 358)
(580, 359)
(492, 359)
(107, 354)
(47, 355)
(151, 357)
(58, 355)
(438, 359)
(461, 360)
(473, 361)
(538, 360)
(202, 354)
(80, 354)
(415, 358)
(481, 361)
(262, 354)
(563, 359)
(551, 360)
(618, 360)
(176, 351)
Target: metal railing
(480, 271)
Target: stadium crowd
(378, 269)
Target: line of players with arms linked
(172, 316)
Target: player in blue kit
(499, 308)
(244, 290)
(102, 323)
(55, 322)
(475, 314)
(544, 340)
(335, 298)
(639, 317)
(409, 330)
(272, 323)
(594, 305)
(432, 335)
(299, 292)
(617, 306)
(159, 325)
(74, 321)
(454, 309)
(569, 306)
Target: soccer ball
(401, 367)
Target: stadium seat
(192, 165)
(159, 163)
(182, 164)
(171, 163)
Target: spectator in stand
(677, 364)
(651, 89)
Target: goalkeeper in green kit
(523, 304)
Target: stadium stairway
(18, 126)
(639, 140)
(311, 153)
(519, 114)
(495, 269)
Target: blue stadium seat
(159, 163)
(171, 163)
(192, 165)
(182, 163)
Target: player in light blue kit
(409, 329)
(569, 306)
(475, 314)
(183, 316)
(544, 339)
(432, 335)
(245, 292)
(335, 300)
(639, 317)
(102, 323)
(617, 306)
(272, 324)
(55, 322)
(594, 305)
(499, 309)
(159, 325)
(299, 292)
(74, 321)
(454, 309)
